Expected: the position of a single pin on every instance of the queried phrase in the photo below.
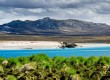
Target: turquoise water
(86, 52)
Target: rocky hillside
(47, 26)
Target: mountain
(48, 26)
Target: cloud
(89, 10)
(103, 8)
(26, 3)
(49, 3)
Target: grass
(42, 67)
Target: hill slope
(47, 26)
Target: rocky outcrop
(68, 45)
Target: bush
(41, 66)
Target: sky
(97, 11)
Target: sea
(67, 52)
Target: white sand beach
(87, 45)
(29, 44)
(10, 45)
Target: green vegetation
(42, 67)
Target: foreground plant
(42, 67)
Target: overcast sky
(87, 10)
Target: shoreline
(31, 45)
(90, 45)
(13, 45)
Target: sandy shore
(29, 45)
(87, 45)
(5, 45)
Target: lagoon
(85, 52)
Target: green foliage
(1, 59)
(42, 67)
(11, 77)
(91, 61)
(38, 57)
(71, 71)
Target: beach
(87, 45)
(11, 45)
(29, 45)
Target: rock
(68, 45)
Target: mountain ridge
(48, 26)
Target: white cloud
(38, 10)
(89, 10)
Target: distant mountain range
(48, 26)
